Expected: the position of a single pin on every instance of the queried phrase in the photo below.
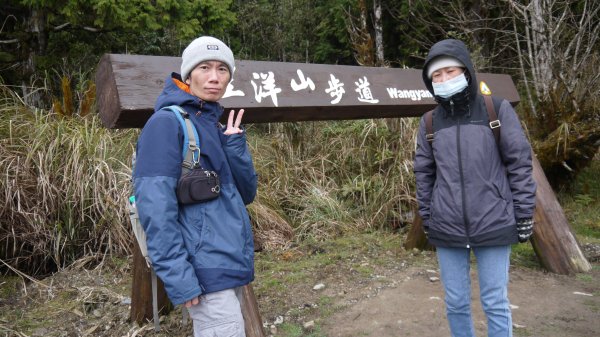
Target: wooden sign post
(128, 85)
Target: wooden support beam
(416, 238)
(141, 291)
(252, 321)
(128, 85)
(553, 240)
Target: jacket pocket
(198, 228)
(501, 197)
(432, 211)
(246, 230)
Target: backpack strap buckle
(495, 124)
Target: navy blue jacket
(204, 247)
(471, 190)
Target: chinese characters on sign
(265, 86)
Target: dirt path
(545, 305)
(370, 288)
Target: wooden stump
(141, 291)
(252, 320)
(553, 240)
(416, 237)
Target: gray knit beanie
(205, 48)
(443, 62)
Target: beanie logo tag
(212, 47)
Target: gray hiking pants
(219, 314)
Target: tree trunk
(380, 60)
(35, 46)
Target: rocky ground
(373, 290)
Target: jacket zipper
(462, 178)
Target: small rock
(512, 306)
(319, 286)
(126, 301)
(518, 326)
(434, 279)
(582, 294)
(435, 298)
(278, 320)
(309, 325)
(273, 330)
(431, 271)
(96, 313)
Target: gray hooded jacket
(471, 190)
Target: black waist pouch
(198, 185)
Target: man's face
(444, 74)
(208, 80)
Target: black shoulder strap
(429, 126)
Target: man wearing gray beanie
(475, 187)
(202, 251)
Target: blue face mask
(451, 86)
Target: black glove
(524, 229)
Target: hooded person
(473, 194)
(202, 251)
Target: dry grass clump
(327, 178)
(64, 181)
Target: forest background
(65, 178)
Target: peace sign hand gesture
(234, 128)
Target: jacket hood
(175, 93)
(454, 48)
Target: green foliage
(76, 33)
(582, 203)
(523, 255)
(291, 31)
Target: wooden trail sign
(128, 85)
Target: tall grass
(63, 182)
(328, 178)
(66, 179)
